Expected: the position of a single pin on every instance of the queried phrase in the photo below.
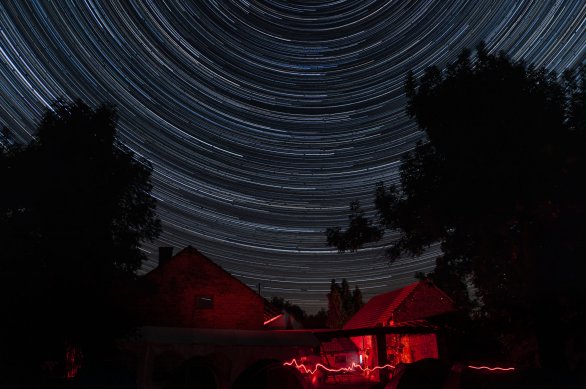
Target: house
(418, 305)
(189, 290)
(339, 353)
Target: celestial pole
(264, 119)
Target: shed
(418, 304)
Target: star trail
(264, 119)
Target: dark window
(340, 359)
(204, 302)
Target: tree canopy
(498, 181)
(74, 209)
(316, 320)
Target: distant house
(339, 353)
(418, 304)
(190, 290)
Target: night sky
(264, 119)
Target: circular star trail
(264, 119)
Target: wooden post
(381, 347)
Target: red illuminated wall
(422, 346)
(171, 298)
(400, 348)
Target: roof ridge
(190, 249)
(402, 295)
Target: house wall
(422, 346)
(366, 349)
(406, 348)
(172, 300)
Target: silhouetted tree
(347, 303)
(284, 305)
(342, 303)
(335, 310)
(359, 231)
(499, 182)
(318, 320)
(74, 209)
(357, 302)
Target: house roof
(416, 302)
(379, 309)
(193, 254)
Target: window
(204, 302)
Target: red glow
(491, 368)
(272, 319)
(353, 367)
(72, 361)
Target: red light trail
(351, 368)
(491, 368)
(355, 367)
(272, 319)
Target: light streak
(351, 368)
(272, 319)
(491, 368)
(217, 95)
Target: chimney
(165, 253)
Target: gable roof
(193, 254)
(380, 309)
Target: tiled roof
(378, 310)
(194, 254)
